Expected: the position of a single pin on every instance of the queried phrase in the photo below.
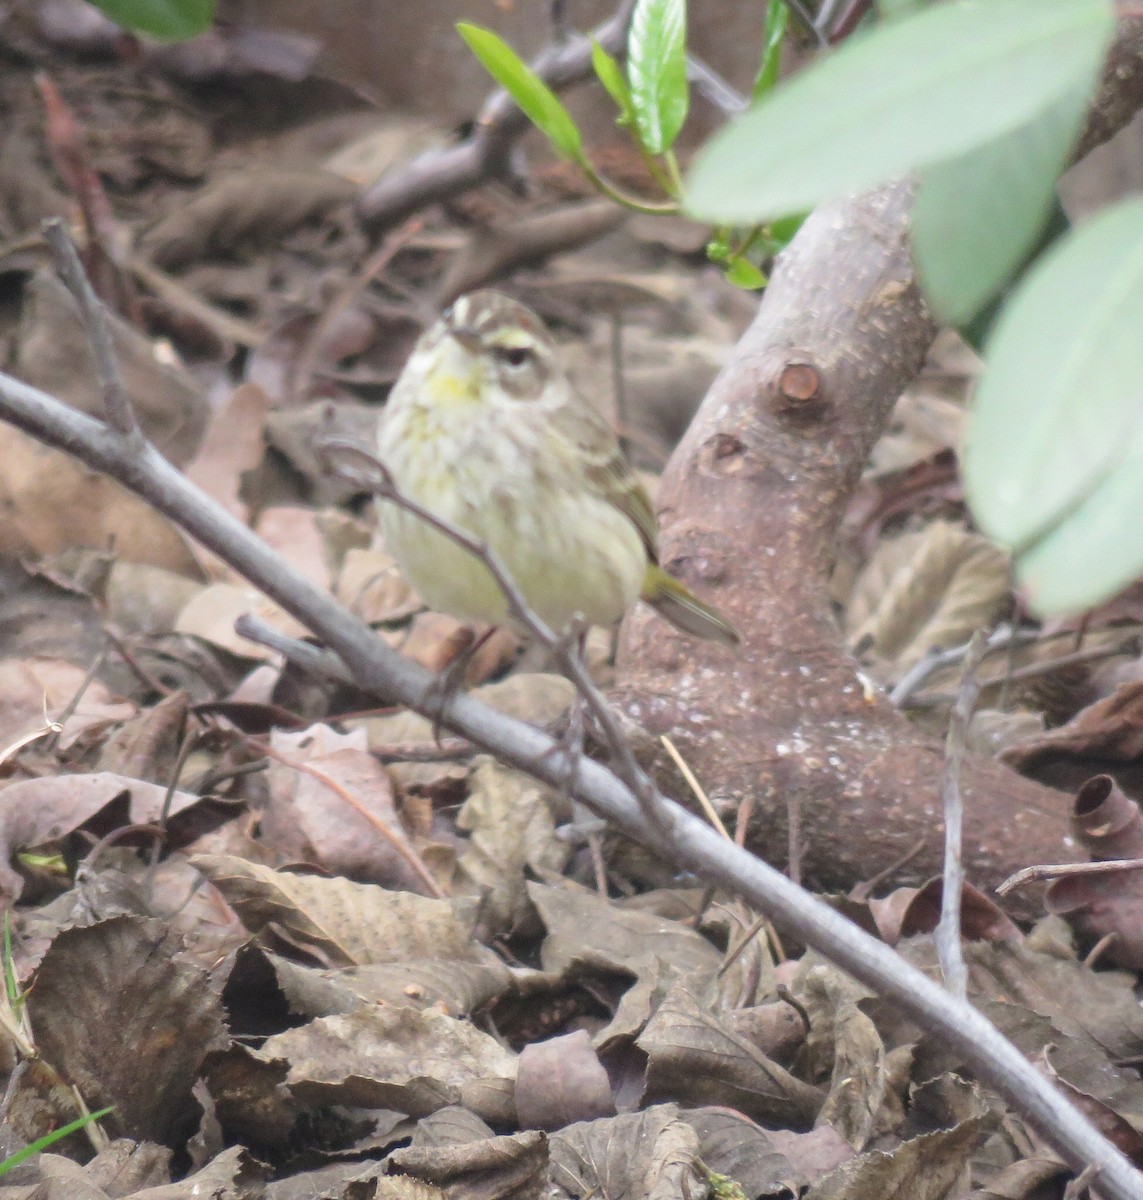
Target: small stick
(117, 406)
(696, 787)
(947, 934)
(306, 362)
(928, 663)
(487, 153)
(1062, 870)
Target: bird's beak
(467, 336)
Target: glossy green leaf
(901, 98)
(1053, 466)
(744, 274)
(893, 10)
(657, 71)
(977, 216)
(539, 103)
(777, 21)
(170, 20)
(610, 74)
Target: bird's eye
(514, 356)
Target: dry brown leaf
(927, 589)
(1103, 905)
(346, 923)
(296, 534)
(693, 1057)
(371, 585)
(123, 984)
(456, 987)
(232, 445)
(561, 1081)
(147, 745)
(52, 354)
(211, 614)
(35, 812)
(331, 803)
(909, 911)
(736, 1147)
(511, 830)
(633, 1156)
(583, 928)
(405, 1059)
(1106, 737)
(508, 1166)
(776, 1029)
(34, 691)
(295, 433)
(923, 1168)
(52, 503)
(145, 599)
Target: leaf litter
(300, 949)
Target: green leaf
(657, 71)
(539, 103)
(893, 10)
(1053, 465)
(977, 216)
(49, 1139)
(902, 98)
(609, 73)
(777, 19)
(744, 274)
(170, 20)
(781, 231)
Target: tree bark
(751, 503)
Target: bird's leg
(451, 680)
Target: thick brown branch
(752, 501)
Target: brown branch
(487, 153)
(752, 502)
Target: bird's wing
(606, 470)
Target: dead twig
(305, 365)
(1061, 870)
(947, 933)
(916, 675)
(116, 403)
(487, 153)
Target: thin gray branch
(693, 844)
(947, 935)
(117, 406)
(486, 155)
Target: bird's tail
(684, 610)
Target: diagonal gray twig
(487, 153)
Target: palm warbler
(484, 430)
